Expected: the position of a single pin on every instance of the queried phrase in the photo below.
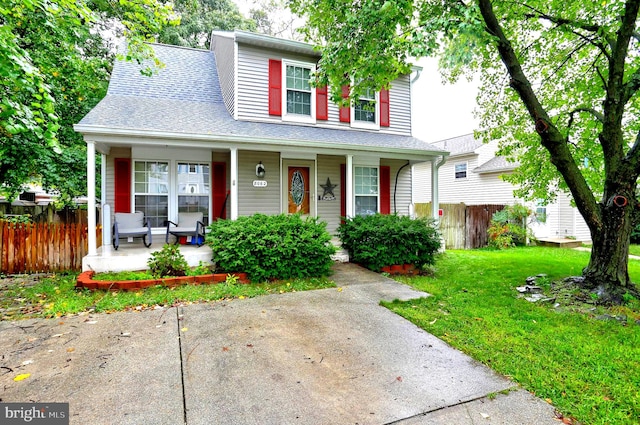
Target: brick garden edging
(85, 280)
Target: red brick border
(85, 280)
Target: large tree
(199, 17)
(54, 68)
(560, 82)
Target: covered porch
(134, 256)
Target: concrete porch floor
(132, 256)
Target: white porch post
(106, 227)
(350, 207)
(91, 197)
(234, 183)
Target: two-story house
(473, 175)
(239, 129)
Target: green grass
(57, 296)
(634, 249)
(588, 368)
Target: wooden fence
(462, 226)
(43, 247)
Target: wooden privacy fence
(462, 226)
(43, 247)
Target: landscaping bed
(85, 280)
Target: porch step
(559, 242)
(341, 255)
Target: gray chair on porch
(131, 225)
(188, 225)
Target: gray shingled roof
(459, 145)
(184, 98)
(495, 164)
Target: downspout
(395, 188)
(435, 167)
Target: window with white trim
(366, 190)
(299, 95)
(151, 191)
(365, 108)
(365, 113)
(193, 188)
(460, 170)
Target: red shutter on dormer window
(385, 189)
(322, 103)
(345, 112)
(122, 185)
(384, 108)
(275, 87)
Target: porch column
(234, 183)
(106, 230)
(350, 207)
(91, 197)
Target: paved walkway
(330, 356)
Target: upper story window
(298, 95)
(298, 90)
(461, 170)
(365, 109)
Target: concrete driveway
(330, 356)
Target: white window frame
(206, 193)
(367, 124)
(455, 170)
(286, 116)
(355, 191)
(168, 193)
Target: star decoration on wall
(327, 194)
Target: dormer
(268, 79)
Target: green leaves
(380, 240)
(54, 68)
(271, 247)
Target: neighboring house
(472, 175)
(239, 129)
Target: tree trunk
(607, 273)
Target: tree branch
(550, 136)
(597, 115)
(587, 26)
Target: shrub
(271, 246)
(509, 227)
(381, 240)
(167, 262)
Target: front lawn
(54, 296)
(578, 357)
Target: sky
(442, 110)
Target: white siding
(251, 199)
(223, 48)
(475, 189)
(253, 93)
(421, 187)
(401, 190)
(329, 211)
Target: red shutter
(384, 107)
(122, 185)
(345, 112)
(385, 189)
(343, 192)
(322, 104)
(219, 192)
(275, 87)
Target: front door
(298, 186)
(298, 190)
